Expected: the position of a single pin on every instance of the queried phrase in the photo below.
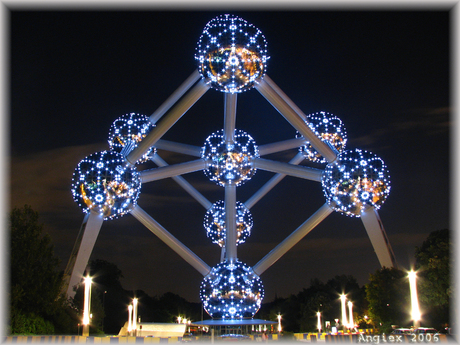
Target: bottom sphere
(231, 291)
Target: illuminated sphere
(358, 179)
(329, 129)
(106, 183)
(127, 131)
(231, 53)
(231, 291)
(230, 163)
(214, 223)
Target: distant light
(357, 179)
(231, 54)
(87, 300)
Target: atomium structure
(231, 57)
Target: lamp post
(350, 311)
(343, 298)
(416, 316)
(318, 314)
(86, 306)
(135, 315)
(279, 323)
(130, 313)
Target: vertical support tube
(230, 117)
(81, 251)
(292, 239)
(230, 222)
(168, 121)
(378, 237)
(171, 241)
(175, 96)
(296, 120)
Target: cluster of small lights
(214, 223)
(231, 291)
(106, 183)
(231, 53)
(356, 180)
(329, 129)
(230, 163)
(127, 132)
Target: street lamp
(135, 315)
(86, 306)
(343, 298)
(318, 314)
(416, 316)
(130, 313)
(279, 323)
(350, 311)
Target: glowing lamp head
(231, 291)
(230, 163)
(214, 223)
(330, 129)
(231, 54)
(106, 183)
(356, 180)
(127, 132)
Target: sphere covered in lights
(214, 223)
(230, 163)
(358, 179)
(329, 129)
(106, 183)
(231, 53)
(231, 291)
(127, 131)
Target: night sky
(385, 74)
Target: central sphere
(230, 163)
(231, 53)
(214, 223)
(231, 291)
(358, 179)
(106, 183)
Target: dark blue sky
(385, 74)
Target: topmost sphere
(231, 53)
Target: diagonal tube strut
(282, 104)
(292, 239)
(184, 184)
(168, 121)
(271, 183)
(81, 252)
(378, 237)
(172, 170)
(175, 96)
(172, 242)
(288, 169)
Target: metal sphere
(230, 163)
(329, 129)
(106, 183)
(358, 179)
(127, 132)
(231, 291)
(231, 53)
(214, 223)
